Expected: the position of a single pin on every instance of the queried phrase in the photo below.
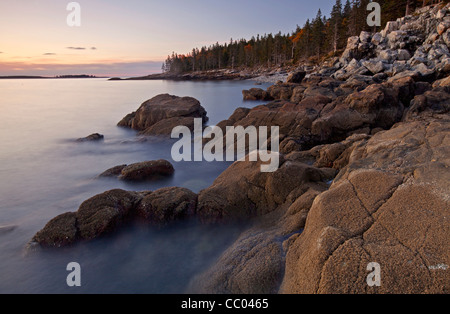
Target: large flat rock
(162, 113)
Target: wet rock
(147, 170)
(91, 138)
(106, 213)
(59, 232)
(103, 213)
(168, 205)
(159, 115)
(141, 171)
(96, 217)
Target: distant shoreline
(262, 74)
(21, 77)
(209, 75)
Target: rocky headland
(261, 74)
(363, 176)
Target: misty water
(44, 172)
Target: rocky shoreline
(363, 176)
(260, 75)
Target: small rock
(446, 38)
(377, 39)
(365, 37)
(407, 73)
(426, 73)
(7, 229)
(403, 54)
(91, 138)
(390, 27)
(442, 82)
(442, 27)
(441, 14)
(147, 170)
(395, 38)
(374, 66)
(388, 55)
(380, 77)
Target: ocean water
(44, 172)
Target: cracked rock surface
(390, 206)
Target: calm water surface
(44, 173)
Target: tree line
(318, 37)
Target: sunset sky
(131, 38)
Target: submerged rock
(107, 212)
(91, 138)
(99, 215)
(7, 229)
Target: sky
(133, 37)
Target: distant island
(76, 76)
(49, 77)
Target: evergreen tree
(316, 38)
(318, 34)
(335, 27)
